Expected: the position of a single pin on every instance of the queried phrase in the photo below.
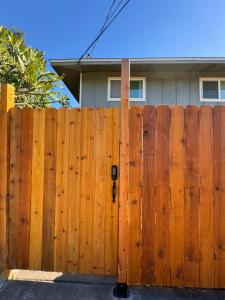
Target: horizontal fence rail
(176, 203)
(61, 214)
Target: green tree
(25, 68)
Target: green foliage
(25, 68)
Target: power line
(104, 29)
(104, 24)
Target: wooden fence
(56, 193)
(61, 214)
(176, 205)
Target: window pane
(210, 89)
(136, 89)
(222, 89)
(115, 89)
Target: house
(95, 82)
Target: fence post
(121, 289)
(6, 102)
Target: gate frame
(121, 289)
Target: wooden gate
(176, 199)
(61, 214)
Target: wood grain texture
(50, 154)
(206, 226)
(191, 209)
(75, 132)
(124, 170)
(100, 192)
(123, 192)
(61, 210)
(25, 189)
(219, 195)
(177, 196)
(87, 191)
(112, 158)
(14, 187)
(37, 191)
(3, 188)
(134, 196)
(148, 196)
(163, 196)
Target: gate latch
(114, 173)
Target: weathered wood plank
(37, 191)
(177, 196)
(163, 196)
(191, 210)
(134, 196)
(148, 196)
(49, 189)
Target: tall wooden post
(124, 168)
(6, 102)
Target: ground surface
(26, 290)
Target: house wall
(161, 88)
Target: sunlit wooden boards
(180, 222)
(61, 214)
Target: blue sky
(146, 28)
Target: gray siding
(161, 88)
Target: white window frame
(131, 99)
(218, 79)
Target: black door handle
(114, 192)
(114, 175)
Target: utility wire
(101, 33)
(104, 24)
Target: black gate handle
(114, 192)
(114, 178)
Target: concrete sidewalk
(39, 285)
(30, 290)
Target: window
(212, 89)
(137, 89)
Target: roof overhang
(71, 68)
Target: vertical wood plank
(111, 217)
(87, 191)
(37, 191)
(7, 94)
(100, 192)
(3, 188)
(163, 196)
(191, 242)
(219, 195)
(109, 210)
(14, 187)
(177, 196)
(49, 189)
(74, 188)
(206, 230)
(25, 188)
(148, 198)
(134, 196)
(124, 170)
(61, 210)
